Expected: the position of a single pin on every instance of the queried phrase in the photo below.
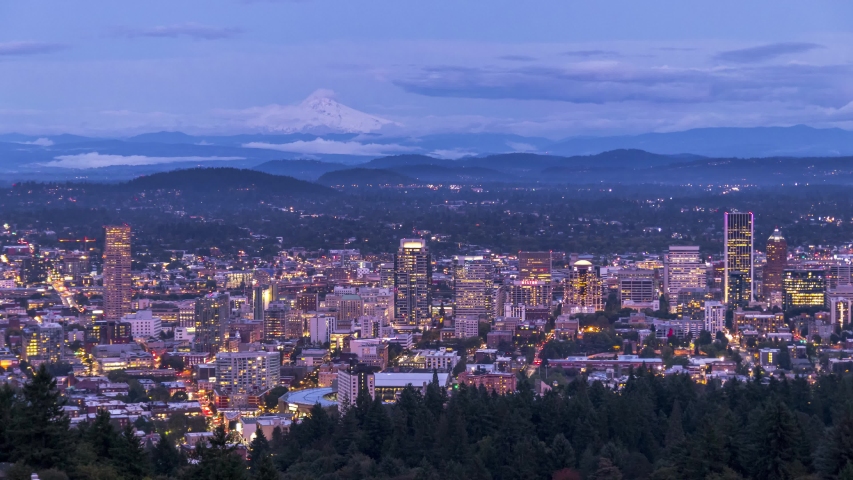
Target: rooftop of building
(311, 396)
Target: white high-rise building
(143, 324)
(715, 317)
(465, 326)
(320, 327)
(351, 381)
(682, 269)
(243, 372)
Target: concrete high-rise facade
(412, 279)
(212, 317)
(738, 235)
(777, 261)
(118, 289)
(682, 269)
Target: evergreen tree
(773, 442)
(258, 449)
(7, 402)
(675, 430)
(166, 459)
(218, 461)
(101, 435)
(265, 469)
(38, 429)
(836, 453)
(561, 452)
(607, 471)
(128, 455)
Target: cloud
(591, 53)
(192, 30)
(40, 142)
(766, 52)
(518, 58)
(610, 81)
(28, 48)
(332, 147)
(95, 160)
(453, 154)
(521, 147)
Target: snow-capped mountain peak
(320, 113)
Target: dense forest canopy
(655, 428)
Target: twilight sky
(544, 68)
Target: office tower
(275, 319)
(43, 343)
(637, 286)
(75, 265)
(465, 326)
(212, 316)
(583, 289)
(307, 301)
(345, 306)
(262, 295)
(386, 275)
(841, 306)
(738, 229)
(143, 324)
(247, 371)
(412, 279)
(839, 275)
(117, 279)
(777, 261)
(683, 268)
(803, 288)
(109, 332)
(715, 317)
(294, 325)
(186, 313)
(535, 266)
(690, 303)
(473, 285)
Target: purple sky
(546, 68)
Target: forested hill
(222, 179)
(655, 428)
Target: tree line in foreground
(656, 428)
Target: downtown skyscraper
(738, 275)
(683, 269)
(473, 287)
(412, 279)
(117, 278)
(777, 262)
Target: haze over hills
(475, 157)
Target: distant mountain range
(481, 157)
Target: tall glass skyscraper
(117, 279)
(412, 279)
(738, 233)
